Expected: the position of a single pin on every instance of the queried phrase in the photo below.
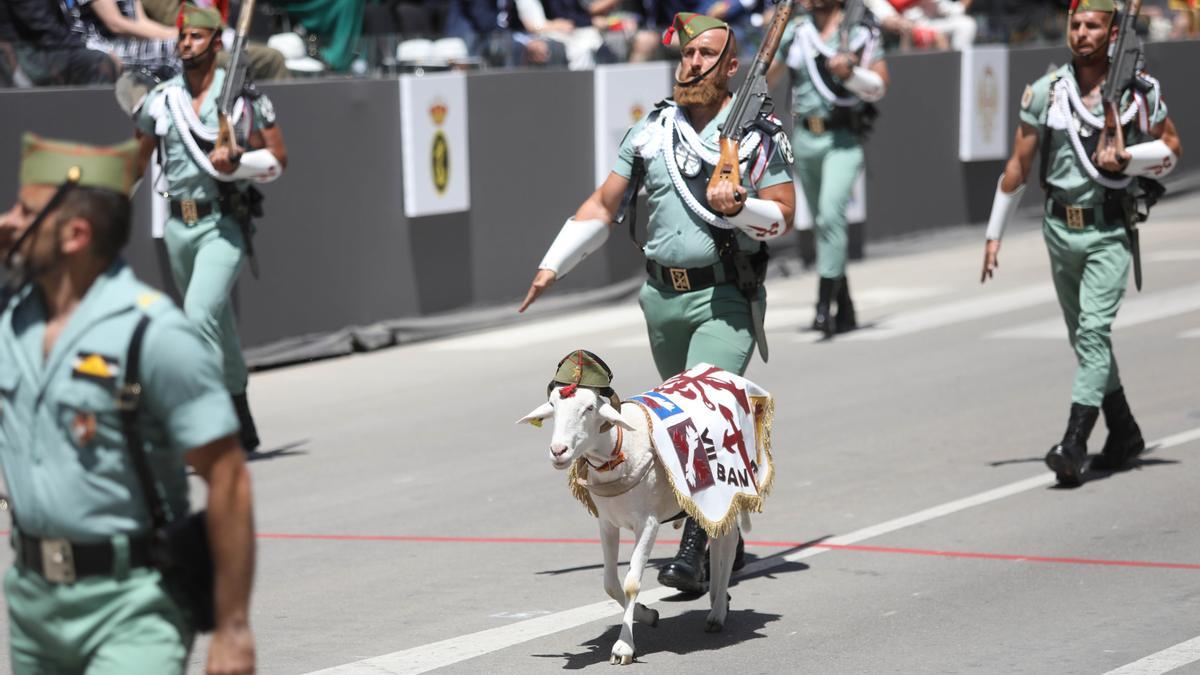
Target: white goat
(578, 420)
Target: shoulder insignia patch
(1027, 97)
(146, 300)
(95, 367)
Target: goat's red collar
(618, 457)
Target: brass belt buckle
(816, 125)
(1075, 217)
(58, 561)
(679, 279)
(189, 212)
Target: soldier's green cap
(1093, 6)
(689, 26)
(584, 369)
(191, 16)
(49, 162)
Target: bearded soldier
(211, 202)
(835, 79)
(698, 236)
(82, 344)
(1090, 211)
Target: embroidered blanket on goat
(711, 431)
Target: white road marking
(453, 650)
(1190, 334)
(1165, 661)
(982, 304)
(1181, 255)
(1136, 310)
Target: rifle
(747, 113)
(1126, 61)
(751, 101)
(854, 12)
(235, 79)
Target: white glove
(760, 219)
(1004, 206)
(575, 241)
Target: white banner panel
(983, 104)
(856, 209)
(624, 93)
(433, 144)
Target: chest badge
(96, 367)
(83, 428)
(687, 160)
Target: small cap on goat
(582, 368)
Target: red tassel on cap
(568, 391)
(671, 33)
(1074, 5)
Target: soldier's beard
(708, 91)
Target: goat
(579, 420)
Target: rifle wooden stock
(727, 168)
(225, 137)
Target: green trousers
(827, 165)
(127, 625)
(710, 325)
(1090, 268)
(205, 259)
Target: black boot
(846, 319)
(249, 434)
(822, 320)
(687, 571)
(1124, 440)
(1067, 458)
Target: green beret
(50, 162)
(191, 16)
(689, 25)
(1093, 6)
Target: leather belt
(1079, 217)
(61, 561)
(686, 278)
(190, 210)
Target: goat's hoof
(622, 654)
(713, 626)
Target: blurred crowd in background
(77, 42)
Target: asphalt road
(406, 523)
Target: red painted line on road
(763, 544)
(858, 548)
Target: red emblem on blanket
(692, 456)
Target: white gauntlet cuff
(866, 83)
(575, 241)
(1153, 159)
(760, 219)
(260, 166)
(1004, 206)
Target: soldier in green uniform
(1090, 199)
(833, 89)
(83, 595)
(211, 201)
(694, 309)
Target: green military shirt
(63, 454)
(1070, 184)
(185, 179)
(807, 100)
(676, 236)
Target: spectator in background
(338, 23)
(121, 29)
(948, 21)
(8, 52)
(48, 52)
(265, 63)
